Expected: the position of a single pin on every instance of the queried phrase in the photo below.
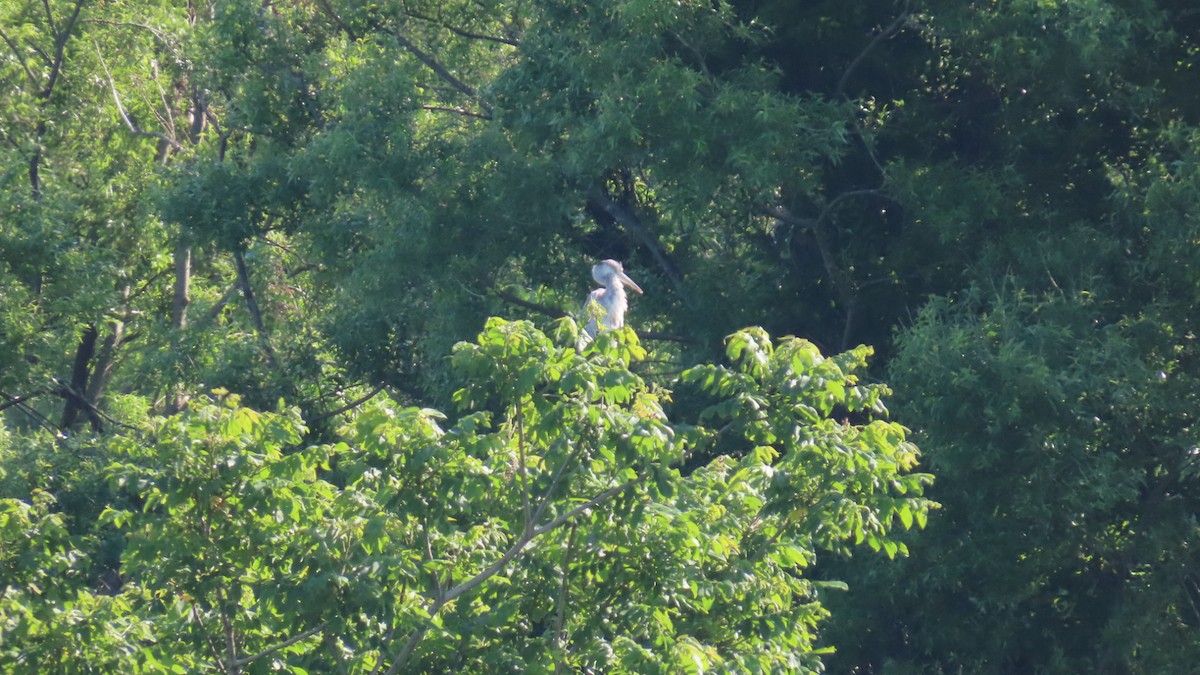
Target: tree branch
(511, 554)
(842, 282)
(349, 406)
(181, 288)
(230, 641)
(664, 337)
(587, 506)
(462, 33)
(158, 35)
(215, 310)
(554, 481)
(10, 400)
(49, 16)
(129, 123)
(60, 48)
(17, 53)
(553, 312)
(337, 20)
(457, 111)
(892, 29)
(633, 224)
(439, 69)
(252, 305)
(80, 370)
(207, 638)
(238, 663)
(526, 500)
(560, 618)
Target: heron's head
(607, 272)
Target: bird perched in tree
(605, 307)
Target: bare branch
(41, 420)
(162, 96)
(42, 53)
(842, 282)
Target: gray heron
(605, 307)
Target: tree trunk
(183, 282)
(74, 392)
(105, 360)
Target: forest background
(248, 251)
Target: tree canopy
(248, 249)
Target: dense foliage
(216, 209)
(549, 527)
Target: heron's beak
(628, 282)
